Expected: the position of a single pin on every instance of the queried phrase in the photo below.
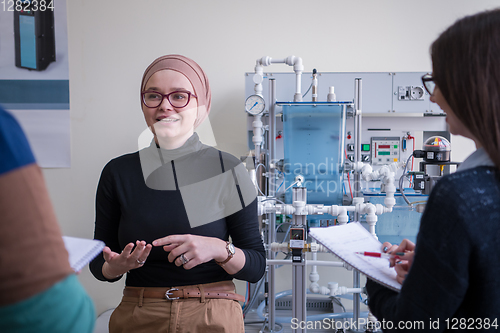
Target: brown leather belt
(223, 289)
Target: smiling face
(171, 126)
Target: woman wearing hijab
(450, 277)
(167, 211)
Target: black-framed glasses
(178, 99)
(429, 84)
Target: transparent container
(437, 149)
(403, 222)
(313, 147)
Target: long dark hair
(466, 68)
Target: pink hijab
(192, 71)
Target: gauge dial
(254, 104)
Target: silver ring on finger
(141, 262)
(184, 260)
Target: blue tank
(313, 147)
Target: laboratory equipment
(436, 152)
(437, 149)
(335, 159)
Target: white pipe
(257, 139)
(298, 82)
(258, 77)
(300, 208)
(390, 189)
(298, 68)
(314, 276)
(337, 210)
(294, 61)
(333, 289)
(314, 267)
(279, 247)
(342, 218)
(368, 173)
(257, 135)
(386, 173)
(371, 218)
(278, 61)
(331, 97)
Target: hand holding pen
(403, 263)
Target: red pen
(381, 255)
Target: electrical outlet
(411, 93)
(416, 93)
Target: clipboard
(345, 240)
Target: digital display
(297, 234)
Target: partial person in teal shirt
(39, 292)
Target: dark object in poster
(34, 38)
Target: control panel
(365, 152)
(385, 150)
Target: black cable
(307, 90)
(338, 301)
(401, 188)
(264, 324)
(314, 72)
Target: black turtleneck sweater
(154, 193)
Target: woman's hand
(402, 263)
(118, 264)
(191, 250)
(402, 267)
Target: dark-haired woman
(450, 277)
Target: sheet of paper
(345, 240)
(81, 251)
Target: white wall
(112, 42)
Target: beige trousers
(135, 315)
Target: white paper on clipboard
(345, 240)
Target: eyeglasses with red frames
(428, 82)
(178, 99)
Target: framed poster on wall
(34, 79)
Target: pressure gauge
(254, 104)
